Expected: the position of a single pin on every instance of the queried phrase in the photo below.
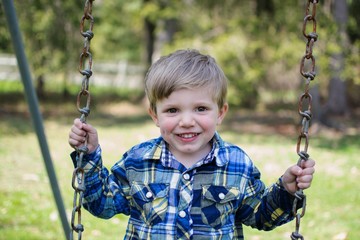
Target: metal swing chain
(306, 115)
(85, 68)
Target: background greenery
(258, 43)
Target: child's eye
(201, 109)
(171, 110)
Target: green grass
(28, 210)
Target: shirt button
(182, 214)
(149, 195)
(221, 196)
(186, 176)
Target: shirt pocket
(149, 201)
(218, 204)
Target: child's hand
(78, 134)
(297, 177)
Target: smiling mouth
(188, 135)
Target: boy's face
(187, 120)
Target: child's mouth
(188, 135)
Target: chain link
(85, 68)
(305, 99)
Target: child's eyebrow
(202, 102)
(169, 105)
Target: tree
(5, 41)
(336, 104)
(47, 30)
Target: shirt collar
(220, 152)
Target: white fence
(114, 74)
(118, 74)
(8, 68)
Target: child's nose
(187, 120)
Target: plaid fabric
(165, 200)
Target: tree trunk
(40, 86)
(171, 27)
(265, 6)
(336, 104)
(150, 40)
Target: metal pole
(34, 109)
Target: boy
(188, 183)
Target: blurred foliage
(259, 43)
(5, 41)
(118, 30)
(48, 33)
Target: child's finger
(88, 128)
(308, 171)
(308, 163)
(75, 143)
(77, 136)
(304, 181)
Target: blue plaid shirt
(165, 200)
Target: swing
(310, 16)
(305, 99)
(86, 71)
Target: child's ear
(153, 115)
(222, 112)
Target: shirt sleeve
(103, 196)
(265, 208)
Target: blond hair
(185, 69)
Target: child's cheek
(167, 126)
